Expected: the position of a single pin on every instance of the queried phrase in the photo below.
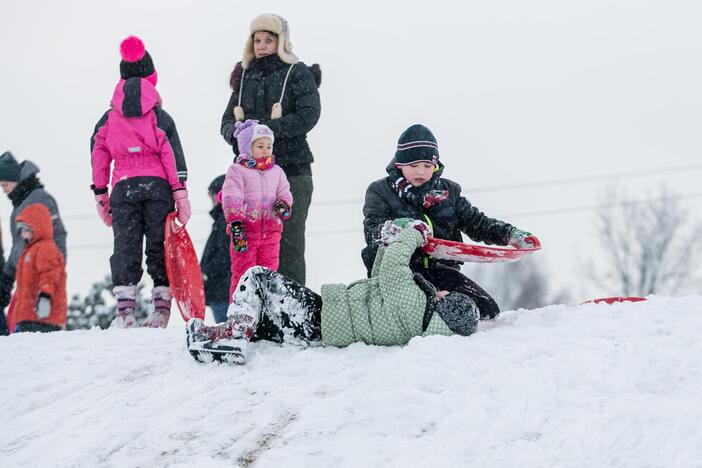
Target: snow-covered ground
(585, 386)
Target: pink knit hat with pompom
(136, 61)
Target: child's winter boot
(126, 307)
(161, 297)
(227, 342)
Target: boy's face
(264, 43)
(418, 173)
(261, 148)
(7, 186)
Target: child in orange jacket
(39, 303)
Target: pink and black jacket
(139, 137)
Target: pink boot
(126, 307)
(162, 297)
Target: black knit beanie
(216, 185)
(9, 168)
(416, 144)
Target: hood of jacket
(27, 169)
(134, 97)
(38, 218)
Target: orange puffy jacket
(41, 269)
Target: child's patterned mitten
(520, 239)
(282, 209)
(238, 233)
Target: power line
(550, 212)
(494, 188)
(550, 182)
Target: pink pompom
(132, 49)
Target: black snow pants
(286, 310)
(139, 208)
(450, 279)
(292, 244)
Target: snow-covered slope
(586, 386)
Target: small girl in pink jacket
(255, 197)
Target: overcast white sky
(516, 92)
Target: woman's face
(264, 43)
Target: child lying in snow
(389, 308)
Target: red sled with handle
(183, 270)
(458, 251)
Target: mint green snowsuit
(385, 309)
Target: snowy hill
(585, 386)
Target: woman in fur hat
(272, 86)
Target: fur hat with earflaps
(273, 24)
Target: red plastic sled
(612, 300)
(452, 250)
(183, 270)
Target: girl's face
(27, 235)
(261, 148)
(264, 43)
(417, 173)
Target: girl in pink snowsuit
(136, 140)
(255, 197)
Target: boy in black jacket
(215, 262)
(415, 189)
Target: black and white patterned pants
(285, 310)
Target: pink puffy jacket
(248, 195)
(138, 136)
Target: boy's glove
(102, 203)
(520, 239)
(43, 307)
(182, 205)
(238, 233)
(391, 228)
(282, 209)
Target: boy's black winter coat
(448, 219)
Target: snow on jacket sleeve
(479, 227)
(100, 154)
(171, 151)
(234, 194)
(304, 93)
(283, 189)
(375, 212)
